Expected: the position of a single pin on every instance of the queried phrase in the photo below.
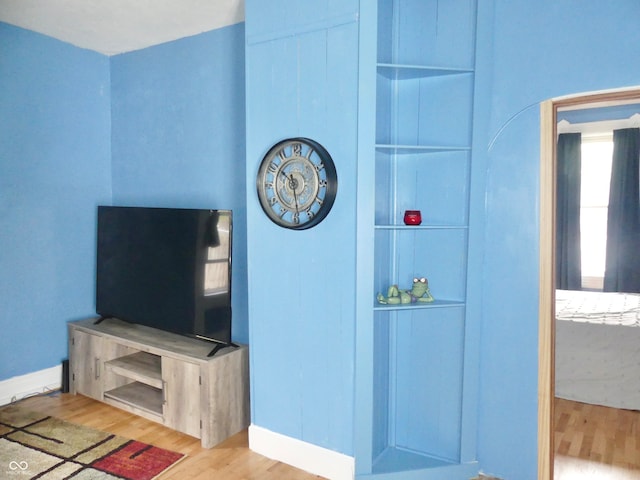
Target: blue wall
(54, 169)
(162, 126)
(528, 52)
(178, 135)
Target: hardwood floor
(595, 442)
(230, 460)
(591, 442)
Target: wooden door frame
(546, 327)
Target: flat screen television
(167, 268)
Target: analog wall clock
(297, 183)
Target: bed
(598, 348)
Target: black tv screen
(166, 268)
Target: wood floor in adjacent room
(594, 442)
(230, 460)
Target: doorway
(546, 331)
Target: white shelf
(394, 462)
(405, 72)
(420, 306)
(421, 227)
(415, 149)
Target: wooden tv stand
(162, 376)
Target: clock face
(297, 183)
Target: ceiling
(111, 27)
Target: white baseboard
(305, 456)
(22, 386)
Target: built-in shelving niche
(424, 99)
(423, 107)
(417, 411)
(437, 185)
(427, 32)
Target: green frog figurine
(419, 293)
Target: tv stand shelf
(138, 396)
(162, 376)
(141, 366)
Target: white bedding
(598, 348)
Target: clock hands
(293, 184)
(295, 195)
(284, 174)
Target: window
(597, 152)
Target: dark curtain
(569, 164)
(622, 270)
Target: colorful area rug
(36, 446)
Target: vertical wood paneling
(385, 173)
(365, 368)
(385, 40)
(444, 104)
(281, 18)
(302, 81)
(438, 255)
(384, 109)
(444, 34)
(381, 382)
(435, 183)
(429, 381)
